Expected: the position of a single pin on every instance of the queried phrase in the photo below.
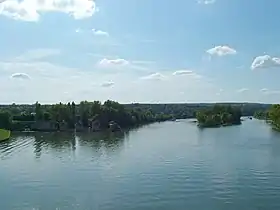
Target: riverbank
(218, 125)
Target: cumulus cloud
(154, 76)
(243, 90)
(52, 78)
(221, 51)
(30, 10)
(113, 62)
(265, 61)
(187, 73)
(182, 72)
(47, 77)
(107, 84)
(20, 76)
(100, 33)
(206, 1)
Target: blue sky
(139, 51)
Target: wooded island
(218, 115)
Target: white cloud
(51, 83)
(270, 92)
(182, 72)
(30, 10)
(100, 33)
(206, 1)
(188, 73)
(243, 90)
(265, 61)
(221, 51)
(113, 62)
(154, 76)
(20, 76)
(264, 90)
(107, 84)
(78, 30)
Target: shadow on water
(53, 141)
(64, 142)
(106, 141)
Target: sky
(180, 51)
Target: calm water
(171, 165)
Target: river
(171, 165)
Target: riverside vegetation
(219, 116)
(98, 116)
(272, 116)
(71, 116)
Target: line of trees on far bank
(20, 116)
(84, 113)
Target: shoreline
(219, 125)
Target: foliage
(262, 115)
(5, 120)
(83, 114)
(126, 115)
(218, 115)
(274, 116)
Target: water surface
(172, 165)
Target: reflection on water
(61, 142)
(172, 165)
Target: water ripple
(149, 168)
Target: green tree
(38, 111)
(5, 120)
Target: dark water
(172, 165)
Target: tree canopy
(274, 116)
(262, 115)
(126, 115)
(83, 113)
(218, 115)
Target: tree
(5, 120)
(38, 111)
(219, 115)
(274, 116)
(46, 116)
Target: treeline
(179, 110)
(83, 114)
(274, 116)
(219, 115)
(188, 110)
(18, 116)
(262, 115)
(271, 115)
